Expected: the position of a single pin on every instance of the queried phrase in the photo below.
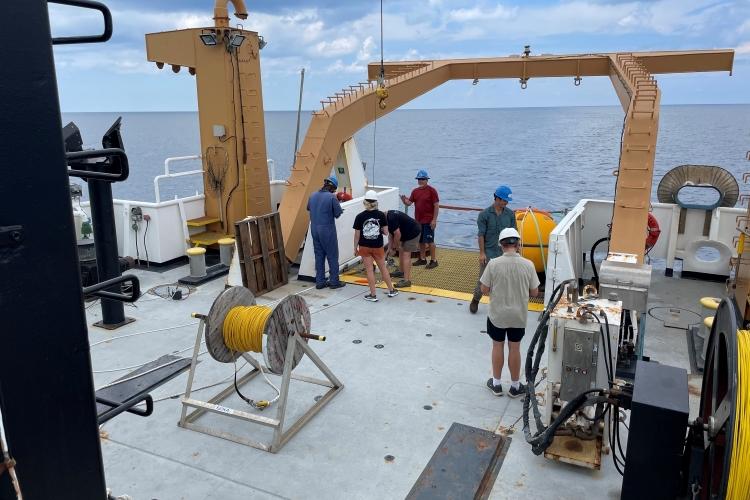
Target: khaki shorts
(411, 245)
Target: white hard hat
(371, 195)
(509, 233)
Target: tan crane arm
(346, 113)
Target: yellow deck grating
(455, 277)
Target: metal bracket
(11, 236)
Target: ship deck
(434, 355)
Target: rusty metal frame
(631, 76)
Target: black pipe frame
(46, 385)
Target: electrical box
(658, 423)
(580, 359)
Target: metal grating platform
(455, 277)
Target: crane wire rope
(379, 92)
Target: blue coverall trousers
(326, 247)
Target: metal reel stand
(284, 346)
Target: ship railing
(168, 174)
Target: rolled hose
(541, 440)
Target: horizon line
(421, 109)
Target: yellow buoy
(535, 227)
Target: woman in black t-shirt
(369, 228)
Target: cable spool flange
(228, 299)
(290, 315)
(718, 406)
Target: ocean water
(551, 157)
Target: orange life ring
(652, 231)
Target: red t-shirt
(424, 199)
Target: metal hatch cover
(464, 465)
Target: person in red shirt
(426, 201)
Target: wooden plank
(263, 229)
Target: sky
(335, 39)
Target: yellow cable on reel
(244, 326)
(738, 486)
(243, 332)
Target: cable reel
(274, 331)
(235, 326)
(722, 396)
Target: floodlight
(261, 42)
(235, 40)
(208, 39)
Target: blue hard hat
(333, 181)
(504, 192)
(422, 174)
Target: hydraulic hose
(591, 259)
(541, 440)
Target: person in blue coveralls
(324, 208)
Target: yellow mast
(226, 64)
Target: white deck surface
(340, 452)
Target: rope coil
(244, 326)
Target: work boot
(419, 262)
(474, 306)
(402, 284)
(432, 265)
(320, 286)
(397, 274)
(334, 286)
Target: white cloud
(336, 47)
(117, 60)
(742, 51)
(477, 13)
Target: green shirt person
(490, 223)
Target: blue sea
(551, 157)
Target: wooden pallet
(260, 248)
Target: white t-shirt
(510, 277)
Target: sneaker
(514, 393)
(392, 293)
(402, 284)
(320, 286)
(334, 286)
(371, 298)
(474, 306)
(419, 262)
(397, 274)
(432, 265)
(497, 390)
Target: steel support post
(46, 385)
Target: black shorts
(427, 235)
(498, 334)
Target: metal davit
(344, 113)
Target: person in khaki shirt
(509, 280)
